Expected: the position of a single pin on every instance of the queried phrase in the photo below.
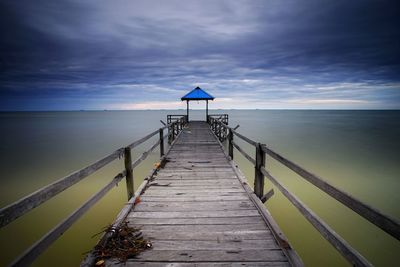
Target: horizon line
(255, 109)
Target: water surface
(356, 151)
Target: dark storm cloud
(99, 54)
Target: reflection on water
(356, 151)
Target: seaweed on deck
(126, 243)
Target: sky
(270, 54)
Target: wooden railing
(29, 202)
(386, 223)
(175, 125)
(219, 128)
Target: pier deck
(196, 212)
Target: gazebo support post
(206, 110)
(187, 110)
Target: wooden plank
(212, 228)
(199, 162)
(202, 191)
(194, 194)
(194, 206)
(194, 214)
(197, 264)
(197, 182)
(195, 221)
(190, 158)
(198, 168)
(194, 198)
(220, 173)
(207, 235)
(214, 245)
(173, 187)
(196, 177)
(210, 255)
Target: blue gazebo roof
(197, 94)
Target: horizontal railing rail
(174, 117)
(20, 207)
(386, 223)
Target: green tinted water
(356, 151)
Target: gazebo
(197, 94)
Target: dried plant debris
(126, 243)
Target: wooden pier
(196, 210)
(195, 206)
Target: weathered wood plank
(201, 264)
(212, 228)
(210, 255)
(214, 245)
(195, 221)
(173, 187)
(198, 171)
(194, 206)
(202, 191)
(193, 198)
(194, 214)
(207, 235)
(195, 194)
(199, 182)
(196, 177)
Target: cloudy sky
(73, 54)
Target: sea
(354, 150)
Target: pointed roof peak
(197, 94)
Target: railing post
(258, 175)
(169, 134)
(230, 143)
(161, 142)
(129, 172)
(219, 131)
(173, 132)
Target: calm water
(357, 151)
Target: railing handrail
(20, 207)
(385, 222)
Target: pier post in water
(161, 142)
(258, 175)
(129, 172)
(230, 143)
